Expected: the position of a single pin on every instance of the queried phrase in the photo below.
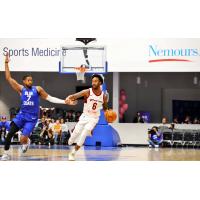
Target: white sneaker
(150, 146)
(71, 156)
(156, 146)
(5, 157)
(24, 147)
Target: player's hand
(68, 101)
(70, 97)
(7, 58)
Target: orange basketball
(110, 115)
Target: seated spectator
(164, 121)
(69, 117)
(138, 118)
(51, 123)
(46, 135)
(65, 132)
(187, 120)
(175, 120)
(5, 123)
(57, 131)
(4, 128)
(42, 123)
(172, 126)
(78, 114)
(155, 137)
(195, 121)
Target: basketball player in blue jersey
(27, 117)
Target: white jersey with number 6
(93, 104)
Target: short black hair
(99, 76)
(26, 76)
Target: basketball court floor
(60, 153)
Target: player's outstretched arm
(49, 98)
(83, 93)
(14, 84)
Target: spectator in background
(5, 123)
(4, 128)
(138, 118)
(195, 121)
(164, 121)
(69, 117)
(51, 123)
(57, 131)
(65, 132)
(46, 135)
(187, 120)
(155, 137)
(42, 123)
(175, 120)
(164, 124)
(172, 126)
(78, 114)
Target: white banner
(123, 55)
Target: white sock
(74, 151)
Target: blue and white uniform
(27, 117)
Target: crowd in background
(52, 127)
(49, 131)
(53, 113)
(176, 120)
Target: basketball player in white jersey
(94, 101)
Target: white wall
(137, 133)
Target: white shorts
(86, 122)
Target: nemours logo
(172, 54)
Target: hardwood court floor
(60, 153)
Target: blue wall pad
(103, 135)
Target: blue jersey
(155, 137)
(30, 101)
(5, 125)
(28, 115)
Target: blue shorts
(26, 122)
